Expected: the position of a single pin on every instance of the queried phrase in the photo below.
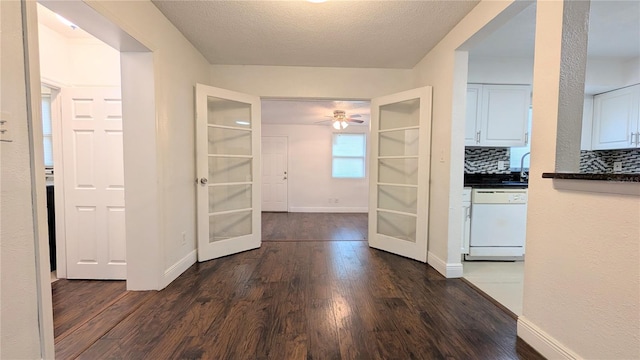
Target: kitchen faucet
(523, 175)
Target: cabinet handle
(631, 142)
(478, 137)
(526, 138)
(637, 138)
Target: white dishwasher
(498, 224)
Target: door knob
(203, 181)
(284, 178)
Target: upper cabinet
(497, 115)
(616, 123)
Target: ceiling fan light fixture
(340, 124)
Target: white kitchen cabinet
(466, 219)
(587, 123)
(497, 115)
(616, 123)
(474, 99)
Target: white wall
(54, 53)
(606, 74)
(178, 66)
(582, 278)
(19, 332)
(311, 82)
(310, 184)
(500, 70)
(77, 62)
(446, 70)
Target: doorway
(82, 127)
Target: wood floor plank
(99, 325)
(75, 301)
(304, 300)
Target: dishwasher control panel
(499, 196)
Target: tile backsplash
(485, 160)
(601, 161)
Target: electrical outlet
(184, 238)
(501, 165)
(617, 166)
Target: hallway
(295, 300)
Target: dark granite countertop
(600, 177)
(495, 181)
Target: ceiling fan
(340, 120)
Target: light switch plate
(617, 166)
(500, 165)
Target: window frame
(334, 136)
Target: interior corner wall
(77, 62)
(19, 328)
(309, 167)
(582, 277)
(437, 69)
(310, 82)
(178, 66)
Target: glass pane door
(399, 178)
(228, 207)
(230, 165)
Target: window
(516, 153)
(47, 130)
(348, 152)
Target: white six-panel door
(274, 173)
(228, 172)
(399, 179)
(93, 183)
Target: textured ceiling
(360, 34)
(311, 112)
(614, 32)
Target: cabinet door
(472, 125)
(505, 111)
(587, 123)
(615, 119)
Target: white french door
(274, 173)
(93, 168)
(399, 180)
(228, 170)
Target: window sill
(624, 184)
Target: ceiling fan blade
(355, 116)
(355, 121)
(322, 121)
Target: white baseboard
(542, 342)
(329, 209)
(178, 268)
(449, 270)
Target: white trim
(58, 181)
(449, 270)
(178, 268)
(318, 209)
(598, 186)
(542, 342)
(32, 88)
(53, 84)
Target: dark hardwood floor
(288, 300)
(282, 226)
